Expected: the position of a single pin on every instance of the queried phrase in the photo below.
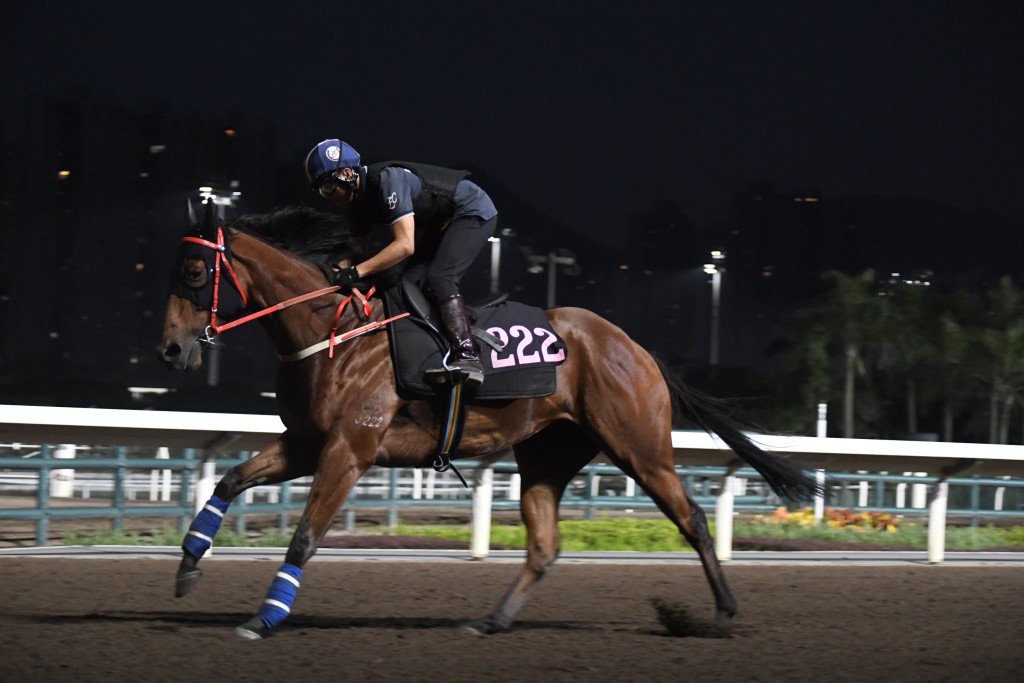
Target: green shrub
(611, 534)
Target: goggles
(328, 186)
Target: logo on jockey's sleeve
(392, 200)
(333, 153)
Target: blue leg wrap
(281, 595)
(204, 527)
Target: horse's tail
(714, 417)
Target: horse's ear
(193, 219)
(209, 217)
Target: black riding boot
(465, 356)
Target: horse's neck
(272, 276)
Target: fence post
(819, 475)
(42, 497)
(431, 481)
(975, 504)
(588, 495)
(483, 495)
(937, 522)
(392, 499)
(186, 479)
(205, 483)
(160, 480)
(118, 522)
(515, 486)
(62, 481)
(417, 483)
(919, 492)
(285, 498)
(724, 505)
(997, 503)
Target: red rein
(219, 248)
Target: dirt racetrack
(106, 620)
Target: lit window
(624, 266)
(144, 174)
(63, 174)
(54, 335)
(230, 132)
(157, 149)
(139, 267)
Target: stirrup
(452, 374)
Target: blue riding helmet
(327, 158)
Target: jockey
(439, 222)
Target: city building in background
(92, 207)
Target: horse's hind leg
(659, 479)
(547, 463)
(273, 464)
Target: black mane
(314, 235)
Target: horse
(612, 397)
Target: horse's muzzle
(174, 356)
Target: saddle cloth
(525, 368)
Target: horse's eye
(194, 273)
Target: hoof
(186, 581)
(724, 619)
(483, 627)
(253, 630)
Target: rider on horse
(439, 221)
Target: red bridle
(220, 257)
(214, 329)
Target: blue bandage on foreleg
(281, 595)
(204, 527)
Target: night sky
(588, 110)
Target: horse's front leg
(275, 463)
(340, 468)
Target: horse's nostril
(169, 352)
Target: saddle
(518, 348)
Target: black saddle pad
(524, 369)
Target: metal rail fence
(142, 484)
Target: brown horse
(612, 397)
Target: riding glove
(346, 278)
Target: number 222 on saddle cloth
(523, 368)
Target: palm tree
(1000, 344)
(951, 346)
(855, 319)
(836, 342)
(909, 352)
